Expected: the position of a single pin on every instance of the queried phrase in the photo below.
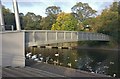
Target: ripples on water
(94, 61)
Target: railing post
(12, 27)
(46, 36)
(56, 35)
(96, 37)
(71, 35)
(101, 36)
(64, 36)
(33, 36)
(77, 35)
(86, 36)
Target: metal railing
(36, 37)
(6, 27)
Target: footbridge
(42, 37)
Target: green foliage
(97, 43)
(109, 22)
(65, 21)
(32, 21)
(53, 10)
(82, 11)
(47, 22)
(5, 10)
(9, 19)
(91, 23)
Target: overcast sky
(38, 6)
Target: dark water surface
(94, 61)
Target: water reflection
(94, 61)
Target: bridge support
(15, 5)
(1, 18)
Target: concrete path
(68, 72)
(36, 69)
(26, 72)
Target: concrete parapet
(13, 49)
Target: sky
(38, 6)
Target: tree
(65, 21)
(119, 7)
(89, 24)
(9, 18)
(82, 11)
(108, 22)
(5, 10)
(21, 15)
(114, 7)
(47, 22)
(32, 21)
(53, 10)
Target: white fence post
(71, 35)
(64, 36)
(46, 36)
(33, 36)
(77, 35)
(56, 35)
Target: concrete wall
(13, 45)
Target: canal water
(94, 61)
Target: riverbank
(98, 48)
(84, 45)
